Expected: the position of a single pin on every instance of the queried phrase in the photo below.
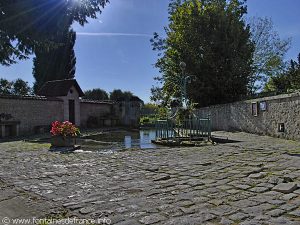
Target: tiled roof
(59, 88)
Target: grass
(23, 146)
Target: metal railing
(191, 129)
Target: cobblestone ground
(254, 181)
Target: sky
(114, 51)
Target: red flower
(65, 129)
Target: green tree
(21, 87)
(150, 108)
(268, 57)
(96, 94)
(17, 87)
(5, 86)
(26, 26)
(117, 95)
(56, 63)
(211, 37)
(287, 81)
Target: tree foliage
(17, 87)
(96, 94)
(117, 95)
(287, 81)
(57, 63)
(34, 24)
(211, 37)
(268, 57)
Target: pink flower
(65, 129)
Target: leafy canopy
(287, 81)
(270, 49)
(96, 94)
(33, 24)
(119, 95)
(16, 87)
(57, 63)
(211, 37)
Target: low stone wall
(240, 116)
(31, 112)
(94, 109)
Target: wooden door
(72, 111)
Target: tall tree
(211, 37)
(56, 63)
(287, 81)
(268, 57)
(96, 94)
(34, 24)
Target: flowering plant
(65, 129)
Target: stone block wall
(281, 109)
(31, 112)
(94, 109)
(129, 113)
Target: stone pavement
(254, 181)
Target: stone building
(61, 100)
(69, 92)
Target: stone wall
(238, 116)
(31, 112)
(129, 113)
(95, 109)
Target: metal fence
(191, 129)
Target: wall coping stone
(87, 101)
(270, 98)
(30, 97)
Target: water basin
(118, 140)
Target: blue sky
(114, 51)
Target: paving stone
(154, 218)
(259, 189)
(257, 175)
(275, 202)
(275, 212)
(86, 210)
(128, 222)
(238, 216)
(285, 187)
(216, 202)
(162, 177)
(288, 207)
(225, 221)
(185, 203)
(267, 185)
(295, 213)
(275, 180)
(243, 186)
(223, 210)
(254, 170)
(257, 210)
